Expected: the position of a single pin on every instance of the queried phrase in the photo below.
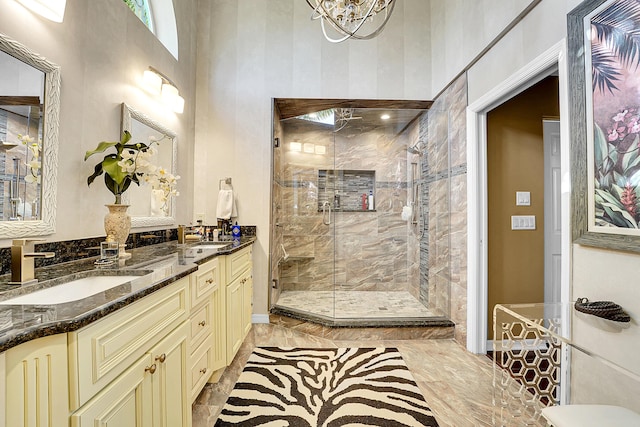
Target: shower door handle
(326, 208)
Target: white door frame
(477, 281)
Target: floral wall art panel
(604, 80)
(615, 84)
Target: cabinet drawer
(103, 350)
(237, 263)
(201, 370)
(201, 324)
(204, 281)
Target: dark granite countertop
(157, 265)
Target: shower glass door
(343, 247)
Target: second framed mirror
(151, 205)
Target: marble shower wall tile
(443, 263)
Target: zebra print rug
(304, 387)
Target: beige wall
(461, 29)
(515, 162)
(250, 53)
(102, 50)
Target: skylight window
(326, 117)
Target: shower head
(414, 150)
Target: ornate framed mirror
(29, 115)
(147, 208)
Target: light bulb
(152, 82)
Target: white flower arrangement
(35, 148)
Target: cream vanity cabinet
(35, 389)
(131, 368)
(239, 304)
(207, 324)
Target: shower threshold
(357, 309)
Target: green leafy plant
(616, 43)
(131, 163)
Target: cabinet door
(247, 303)
(172, 380)
(219, 343)
(37, 378)
(234, 319)
(126, 402)
(103, 350)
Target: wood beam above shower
(293, 107)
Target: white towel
(226, 208)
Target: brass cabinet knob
(161, 358)
(202, 323)
(151, 369)
(203, 371)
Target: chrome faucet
(22, 265)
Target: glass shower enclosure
(349, 217)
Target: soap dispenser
(235, 231)
(370, 200)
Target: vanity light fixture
(295, 146)
(157, 83)
(321, 149)
(309, 147)
(50, 9)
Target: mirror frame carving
(46, 225)
(129, 114)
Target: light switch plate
(523, 198)
(523, 222)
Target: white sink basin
(70, 291)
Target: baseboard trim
(260, 318)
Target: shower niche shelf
(294, 258)
(343, 189)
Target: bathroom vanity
(139, 352)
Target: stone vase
(117, 224)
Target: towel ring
(226, 181)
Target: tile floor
(354, 304)
(456, 384)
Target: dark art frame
(579, 128)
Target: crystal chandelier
(347, 17)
